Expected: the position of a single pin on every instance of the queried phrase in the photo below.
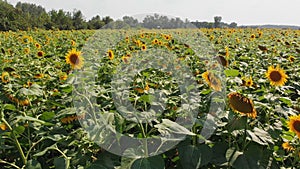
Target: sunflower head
(5, 77)
(291, 59)
(75, 59)
(40, 53)
(213, 81)
(37, 45)
(247, 81)
(110, 54)
(143, 47)
(287, 146)
(276, 76)
(294, 124)
(242, 104)
(222, 60)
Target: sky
(251, 12)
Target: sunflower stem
(245, 134)
(16, 141)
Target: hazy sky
(243, 12)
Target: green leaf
(46, 116)
(286, 100)
(33, 164)
(231, 72)
(61, 163)
(192, 157)
(19, 130)
(232, 154)
(9, 107)
(155, 162)
(168, 127)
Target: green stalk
(15, 141)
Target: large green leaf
(231, 72)
(192, 157)
(155, 162)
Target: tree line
(24, 16)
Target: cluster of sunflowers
(261, 70)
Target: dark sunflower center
(296, 125)
(275, 76)
(241, 104)
(110, 54)
(74, 59)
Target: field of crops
(246, 80)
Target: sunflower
(40, 53)
(222, 61)
(26, 39)
(276, 76)
(226, 51)
(242, 104)
(37, 45)
(39, 76)
(73, 43)
(5, 77)
(154, 41)
(144, 47)
(213, 81)
(287, 146)
(247, 81)
(26, 50)
(2, 126)
(110, 54)
(291, 59)
(63, 76)
(252, 36)
(74, 58)
(125, 59)
(294, 124)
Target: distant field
(257, 70)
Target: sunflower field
(252, 73)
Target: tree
(95, 23)
(218, 20)
(131, 21)
(233, 25)
(78, 21)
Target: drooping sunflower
(74, 58)
(110, 54)
(5, 77)
(213, 81)
(294, 124)
(287, 146)
(242, 104)
(222, 61)
(276, 76)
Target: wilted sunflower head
(242, 104)
(276, 76)
(75, 59)
(213, 81)
(294, 124)
(222, 61)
